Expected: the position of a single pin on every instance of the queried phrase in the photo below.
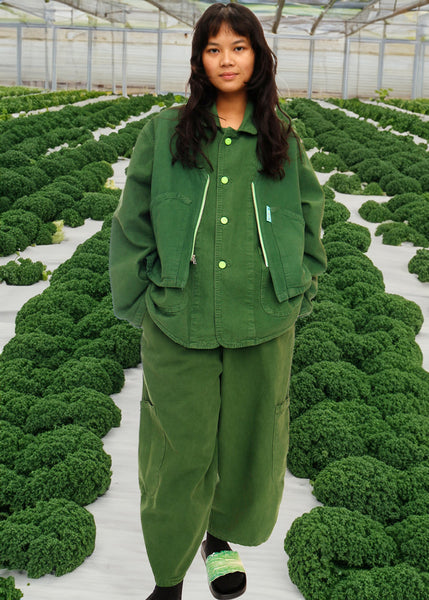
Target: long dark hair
(197, 124)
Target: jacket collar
(247, 125)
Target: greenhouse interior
(341, 48)
(79, 81)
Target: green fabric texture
(222, 563)
(213, 444)
(222, 257)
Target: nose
(227, 58)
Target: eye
(212, 50)
(239, 48)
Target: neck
(231, 109)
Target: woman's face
(228, 61)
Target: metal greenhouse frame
(381, 25)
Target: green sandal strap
(222, 563)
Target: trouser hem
(221, 535)
(168, 582)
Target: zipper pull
(193, 259)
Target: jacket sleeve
(312, 201)
(132, 240)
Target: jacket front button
(228, 141)
(222, 264)
(224, 220)
(224, 179)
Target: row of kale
(35, 191)
(395, 163)
(419, 105)
(359, 431)
(404, 122)
(19, 99)
(382, 162)
(56, 377)
(7, 91)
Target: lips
(228, 76)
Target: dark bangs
(233, 20)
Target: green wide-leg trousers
(212, 445)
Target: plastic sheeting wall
(425, 85)
(134, 61)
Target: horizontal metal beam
(286, 36)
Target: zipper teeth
(200, 215)
(259, 225)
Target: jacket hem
(219, 341)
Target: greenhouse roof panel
(282, 16)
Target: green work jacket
(218, 255)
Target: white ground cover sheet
(119, 568)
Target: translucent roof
(311, 17)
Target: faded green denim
(218, 257)
(213, 443)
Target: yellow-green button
(224, 220)
(222, 264)
(228, 141)
(224, 179)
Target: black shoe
(167, 593)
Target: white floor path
(118, 568)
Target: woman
(215, 253)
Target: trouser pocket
(152, 446)
(280, 440)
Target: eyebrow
(240, 41)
